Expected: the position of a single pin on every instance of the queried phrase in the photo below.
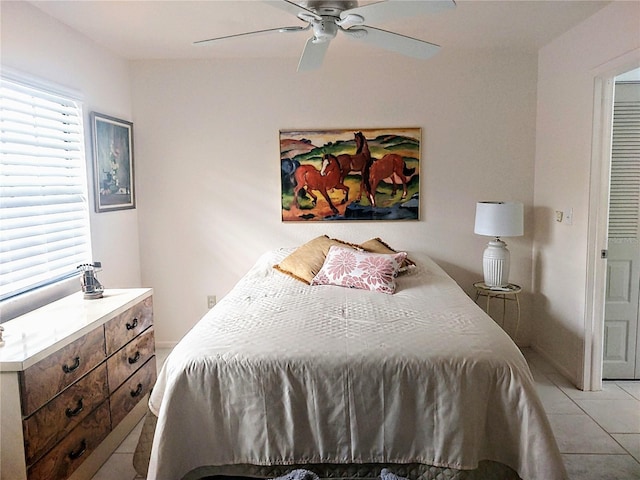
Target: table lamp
(498, 219)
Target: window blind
(44, 217)
(624, 202)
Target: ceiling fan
(327, 17)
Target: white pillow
(346, 267)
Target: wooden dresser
(73, 375)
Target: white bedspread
(284, 373)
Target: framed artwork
(112, 163)
(350, 174)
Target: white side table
(507, 293)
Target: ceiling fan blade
(392, 9)
(257, 32)
(313, 55)
(292, 8)
(411, 47)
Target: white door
(621, 349)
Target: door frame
(604, 80)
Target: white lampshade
(498, 219)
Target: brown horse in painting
(357, 162)
(328, 177)
(390, 166)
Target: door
(621, 348)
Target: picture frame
(113, 167)
(329, 175)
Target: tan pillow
(376, 245)
(307, 260)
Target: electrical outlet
(211, 301)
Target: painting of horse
(357, 162)
(307, 177)
(322, 169)
(391, 167)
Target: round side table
(508, 293)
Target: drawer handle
(78, 453)
(69, 369)
(134, 359)
(137, 392)
(72, 413)
(132, 325)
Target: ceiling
(166, 29)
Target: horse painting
(322, 170)
(357, 162)
(323, 180)
(393, 167)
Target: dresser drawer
(122, 364)
(65, 457)
(58, 417)
(132, 391)
(122, 329)
(44, 380)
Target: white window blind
(624, 203)
(44, 217)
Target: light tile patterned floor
(598, 432)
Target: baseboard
(167, 345)
(559, 367)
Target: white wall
(208, 161)
(207, 157)
(566, 72)
(37, 45)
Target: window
(44, 215)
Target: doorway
(597, 232)
(621, 335)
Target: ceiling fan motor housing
(325, 28)
(328, 7)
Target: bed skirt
(487, 470)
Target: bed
(345, 381)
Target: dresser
(74, 380)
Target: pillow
(376, 245)
(306, 261)
(346, 267)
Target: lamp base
(495, 264)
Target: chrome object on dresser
(91, 287)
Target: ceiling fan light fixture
(325, 29)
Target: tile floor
(598, 432)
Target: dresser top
(35, 335)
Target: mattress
(281, 374)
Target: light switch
(568, 217)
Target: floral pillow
(346, 267)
